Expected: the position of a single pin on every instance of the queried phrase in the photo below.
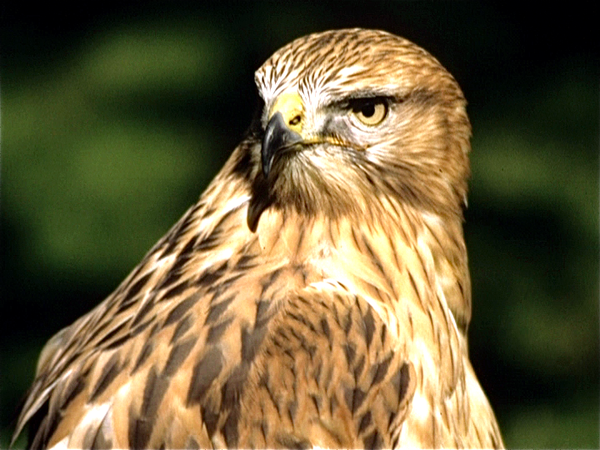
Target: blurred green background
(116, 116)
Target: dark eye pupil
(368, 110)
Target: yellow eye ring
(370, 112)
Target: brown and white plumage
(317, 295)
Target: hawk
(317, 294)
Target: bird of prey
(317, 294)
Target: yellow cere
(291, 107)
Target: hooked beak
(278, 136)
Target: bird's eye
(371, 112)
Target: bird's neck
(410, 257)
(403, 255)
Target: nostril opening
(295, 120)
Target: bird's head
(356, 121)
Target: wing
(91, 369)
(239, 362)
